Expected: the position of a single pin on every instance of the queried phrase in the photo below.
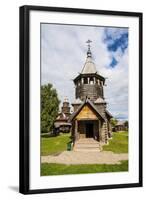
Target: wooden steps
(87, 144)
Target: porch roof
(86, 102)
(108, 114)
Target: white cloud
(63, 51)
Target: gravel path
(75, 157)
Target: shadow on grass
(47, 136)
(53, 136)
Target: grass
(54, 145)
(118, 144)
(60, 169)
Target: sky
(63, 54)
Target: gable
(86, 113)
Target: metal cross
(88, 42)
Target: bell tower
(66, 108)
(89, 84)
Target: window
(85, 80)
(91, 81)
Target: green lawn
(60, 169)
(54, 145)
(118, 144)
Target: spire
(65, 99)
(89, 66)
(89, 50)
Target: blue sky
(63, 54)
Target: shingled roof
(89, 66)
(77, 101)
(108, 113)
(99, 100)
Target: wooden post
(99, 130)
(76, 129)
(82, 81)
(94, 81)
(98, 82)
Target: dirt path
(74, 157)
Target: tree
(126, 124)
(49, 107)
(113, 122)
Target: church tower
(66, 108)
(90, 118)
(89, 84)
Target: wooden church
(61, 124)
(90, 118)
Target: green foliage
(54, 145)
(49, 107)
(126, 123)
(60, 169)
(113, 122)
(118, 144)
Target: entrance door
(89, 130)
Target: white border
(38, 182)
